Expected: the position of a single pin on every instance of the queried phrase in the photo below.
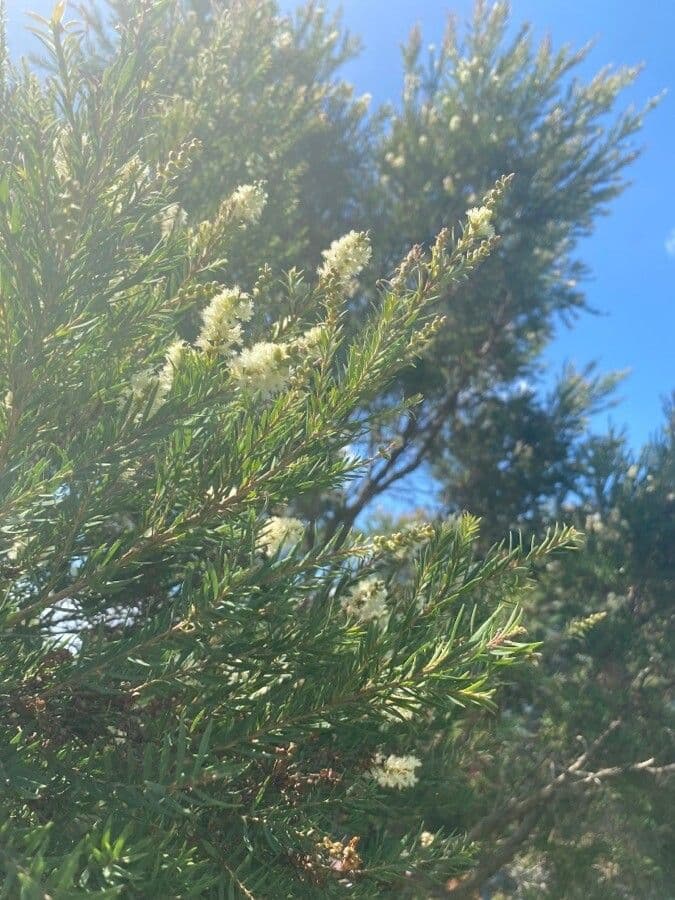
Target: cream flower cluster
(60, 160)
(346, 257)
(247, 203)
(145, 383)
(594, 523)
(172, 216)
(395, 771)
(148, 381)
(222, 318)
(480, 222)
(267, 367)
(174, 355)
(367, 601)
(279, 534)
(263, 367)
(310, 339)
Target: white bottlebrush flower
(279, 534)
(449, 184)
(455, 122)
(411, 85)
(149, 382)
(145, 384)
(263, 367)
(174, 354)
(171, 217)
(367, 601)
(60, 159)
(427, 838)
(363, 102)
(346, 256)
(395, 771)
(283, 40)
(310, 339)
(222, 318)
(594, 523)
(247, 203)
(463, 71)
(480, 221)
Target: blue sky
(632, 252)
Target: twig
(516, 809)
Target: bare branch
(516, 809)
(529, 810)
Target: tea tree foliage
(236, 308)
(479, 106)
(605, 617)
(193, 707)
(260, 93)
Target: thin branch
(516, 809)
(646, 765)
(376, 482)
(529, 810)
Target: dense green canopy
(242, 318)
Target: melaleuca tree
(567, 791)
(271, 116)
(259, 90)
(606, 617)
(520, 457)
(476, 108)
(202, 695)
(569, 788)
